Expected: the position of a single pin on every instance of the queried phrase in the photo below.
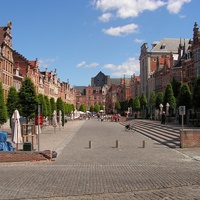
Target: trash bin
(27, 146)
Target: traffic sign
(181, 110)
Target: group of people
(102, 117)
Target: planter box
(189, 138)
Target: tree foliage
(48, 106)
(176, 86)
(53, 104)
(42, 101)
(27, 99)
(196, 93)
(96, 108)
(124, 105)
(130, 103)
(60, 104)
(185, 97)
(159, 99)
(169, 97)
(143, 100)
(82, 108)
(101, 106)
(91, 108)
(3, 109)
(12, 101)
(118, 106)
(136, 104)
(152, 100)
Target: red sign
(40, 118)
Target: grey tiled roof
(171, 45)
(80, 88)
(115, 81)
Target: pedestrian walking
(163, 118)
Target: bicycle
(128, 127)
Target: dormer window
(163, 46)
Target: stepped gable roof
(169, 45)
(2, 33)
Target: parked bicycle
(129, 127)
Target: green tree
(101, 106)
(143, 104)
(169, 97)
(185, 97)
(96, 108)
(69, 108)
(130, 103)
(91, 108)
(143, 101)
(136, 104)
(176, 86)
(196, 94)
(12, 101)
(118, 106)
(82, 108)
(124, 106)
(152, 103)
(159, 99)
(47, 101)
(3, 109)
(53, 105)
(60, 104)
(42, 101)
(152, 100)
(27, 99)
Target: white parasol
(16, 129)
(54, 120)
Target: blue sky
(80, 38)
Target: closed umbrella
(16, 129)
(54, 120)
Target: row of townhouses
(167, 59)
(14, 67)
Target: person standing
(163, 118)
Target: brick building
(14, 67)
(6, 58)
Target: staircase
(166, 134)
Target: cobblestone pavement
(98, 160)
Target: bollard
(117, 143)
(143, 144)
(90, 144)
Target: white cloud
(139, 40)
(122, 30)
(128, 68)
(174, 6)
(128, 8)
(84, 64)
(91, 65)
(105, 17)
(81, 64)
(132, 8)
(182, 16)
